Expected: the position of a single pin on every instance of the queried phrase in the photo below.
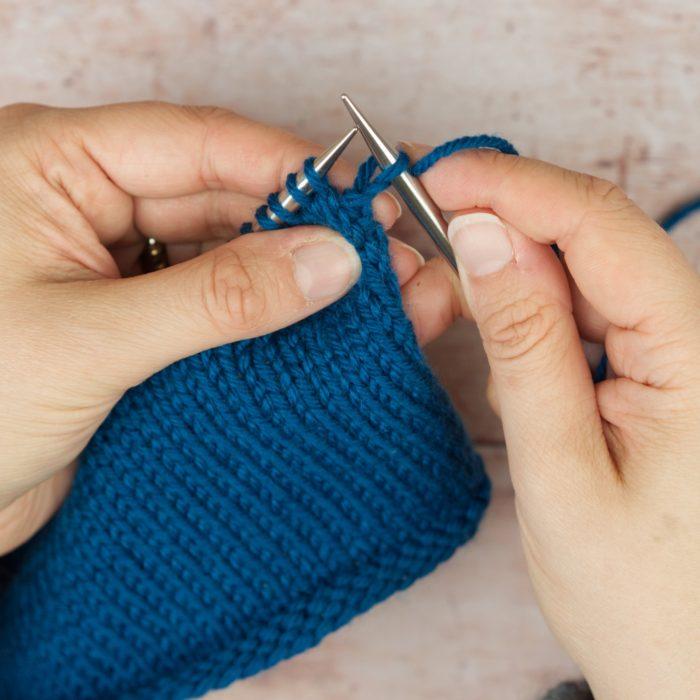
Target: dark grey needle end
(408, 187)
(381, 150)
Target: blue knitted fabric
(244, 502)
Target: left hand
(81, 189)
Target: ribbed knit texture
(244, 502)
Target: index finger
(622, 261)
(156, 149)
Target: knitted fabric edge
(333, 605)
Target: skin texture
(606, 477)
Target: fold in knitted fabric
(244, 502)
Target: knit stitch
(244, 502)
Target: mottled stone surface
(609, 87)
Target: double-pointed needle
(321, 165)
(408, 187)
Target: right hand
(606, 476)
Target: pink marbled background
(612, 88)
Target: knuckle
(507, 164)
(606, 208)
(206, 113)
(602, 195)
(515, 330)
(17, 111)
(18, 130)
(233, 293)
(213, 121)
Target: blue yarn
(460, 144)
(671, 220)
(244, 502)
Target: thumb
(520, 299)
(251, 286)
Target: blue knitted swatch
(244, 502)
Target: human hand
(606, 476)
(80, 190)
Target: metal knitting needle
(321, 165)
(410, 188)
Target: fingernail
(325, 269)
(480, 242)
(396, 203)
(409, 146)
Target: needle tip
(349, 105)
(325, 161)
(384, 154)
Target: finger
(624, 264)
(405, 260)
(71, 174)
(192, 224)
(129, 257)
(182, 252)
(108, 155)
(153, 149)
(251, 286)
(197, 217)
(214, 214)
(520, 299)
(492, 396)
(591, 324)
(433, 300)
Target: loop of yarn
(366, 185)
(246, 501)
